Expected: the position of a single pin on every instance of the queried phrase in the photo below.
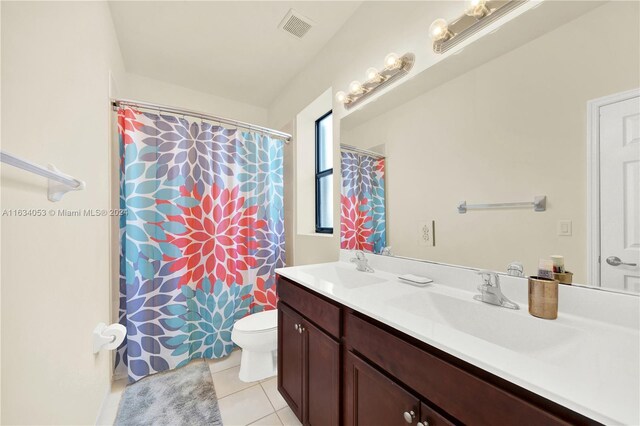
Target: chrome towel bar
(539, 204)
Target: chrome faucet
(362, 264)
(490, 291)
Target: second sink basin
(514, 330)
(345, 276)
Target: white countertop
(591, 367)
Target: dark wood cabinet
(372, 399)
(430, 417)
(322, 358)
(337, 366)
(290, 368)
(308, 369)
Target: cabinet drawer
(430, 417)
(323, 313)
(457, 392)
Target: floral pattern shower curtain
(363, 223)
(203, 234)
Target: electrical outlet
(564, 228)
(426, 233)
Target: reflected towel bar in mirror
(539, 204)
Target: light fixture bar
(466, 26)
(387, 77)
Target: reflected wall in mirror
(558, 116)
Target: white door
(620, 195)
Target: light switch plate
(426, 233)
(565, 228)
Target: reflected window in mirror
(324, 174)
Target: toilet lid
(260, 321)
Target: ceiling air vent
(296, 24)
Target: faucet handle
(489, 278)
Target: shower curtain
(363, 223)
(203, 233)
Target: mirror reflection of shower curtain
(362, 202)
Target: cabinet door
(322, 398)
(290, 365)
(372, 399)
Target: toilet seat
(260, 322)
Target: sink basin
(345, 276)
(514, 330)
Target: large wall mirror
(556, 117)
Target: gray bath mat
(185, 396)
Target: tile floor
(241, 404)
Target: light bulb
(392, 61)
(355, 87)
(476, 8)
(373, 75)
(439, 30)
(341, 97)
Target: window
(324, 174)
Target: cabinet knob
(409, 416)
(296, 326)
(424, 423)
(300, 329)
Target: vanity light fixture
(392, 61)
(355, 88)
(341, 96)
(395, 67)
(478, 14)
(477, 8)
(439, 30)
(374, 75)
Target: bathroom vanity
(348, 354)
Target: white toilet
(257, 335)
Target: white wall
(374, 30)
(60, 65)
(510, 129)
(140, 88)
(56, 59)
(306, 246)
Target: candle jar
(543, 297)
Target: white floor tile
(270, 420)
(244, 407)
(271, 389)
(220, 364)
(288, 418)
(227, 382)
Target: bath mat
(185, 396)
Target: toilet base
(256, 366)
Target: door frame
(593, 179)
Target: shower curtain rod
(115, 103)
(345, 147)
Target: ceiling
(232, 49)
